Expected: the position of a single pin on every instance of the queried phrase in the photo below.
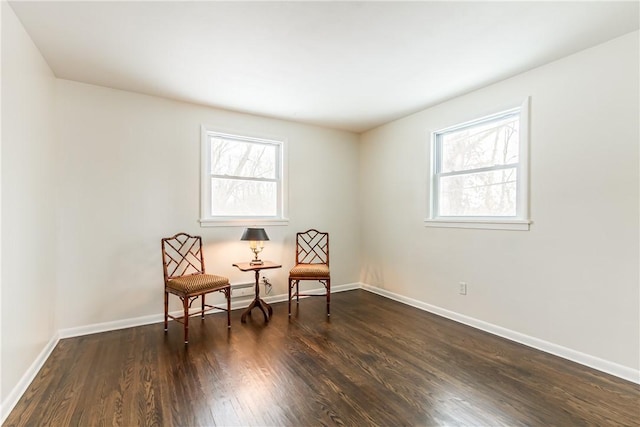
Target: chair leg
(185, 304)
(289, 287)
(203, 306)
(166, 311)
(328, 286)
(227, 294)
(297, 291)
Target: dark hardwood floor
(376, 362)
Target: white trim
(521, 220)
(243, 222)
(602, 365)
(205, 165)
(523, 171)
(597, 363)
(485, 224)
(334, 289)
(16, 393)
(207, 219)
(157, 318)
(96, 328)
(480, 170)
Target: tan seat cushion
(198, 283)
(309, 270)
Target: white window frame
(521, 220)
(207, 218)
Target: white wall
(130, 175)
(28, 202)
(83, 213)
(572, 280)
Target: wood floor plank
(374, 362)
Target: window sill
(484, 224)
(243, 222)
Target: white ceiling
(346, 65)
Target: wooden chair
(312, 263)
(184, 276)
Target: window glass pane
(490, 193)
(482, 145)
(232, 197)
(245, 159)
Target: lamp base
(256, 262)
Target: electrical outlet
(267, 285)
(462, 288)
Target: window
(242, 180)
(479, 173)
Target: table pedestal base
(265, 308)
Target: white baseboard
(157, 318)
(606, 366)
(603, 365)
(14, 396)
(12, 399)
(96, 328)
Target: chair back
(182, 256)
(312, 247)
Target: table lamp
(256, 238)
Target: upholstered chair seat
(198, 283)
(185, 277)
(310, 270)
(312, 263)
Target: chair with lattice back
(185, 277)
(312, 263)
